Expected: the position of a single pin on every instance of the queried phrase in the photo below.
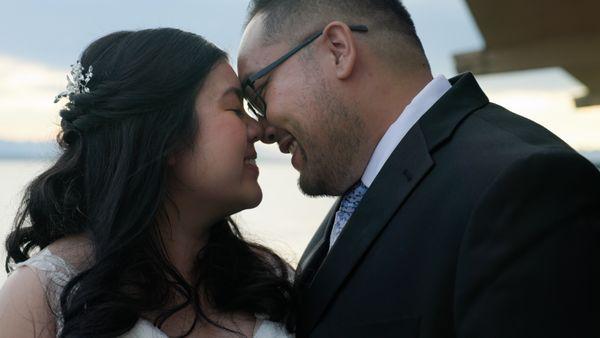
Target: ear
(341, 47)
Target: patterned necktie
(349, 203)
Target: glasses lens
(255, 102)
(250, 108)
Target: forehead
(219, 80)
(255, 53)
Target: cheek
(218, 155)
(286, 98)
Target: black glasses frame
(256, 102)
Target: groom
(456, 217)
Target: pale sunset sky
(40, 39)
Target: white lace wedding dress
(54, 273)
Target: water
(284, 221)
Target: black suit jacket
(481, 224)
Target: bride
(128, 233)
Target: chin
(312, 189)
(255, 203)
(254, 198)
(317, 186)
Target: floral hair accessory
(77, 81)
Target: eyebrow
(233, 90)
(248, 76)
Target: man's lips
(289, 145)
(285, 143)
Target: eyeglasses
(256, 102)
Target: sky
(40, 39)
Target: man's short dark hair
(286, 18)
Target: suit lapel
(316, 249)
(445, 116)
(409, 162)
(407, 166)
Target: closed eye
(239, 112)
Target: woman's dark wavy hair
(109, 183)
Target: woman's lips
(250, 161)
(250, 164)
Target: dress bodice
(54, 273)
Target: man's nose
(271, 133)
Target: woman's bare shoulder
(24, 307)
(25, 302)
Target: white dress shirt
(419, 105)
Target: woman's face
(220, 171)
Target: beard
(331, 165)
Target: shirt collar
(419, 105)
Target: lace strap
(54, 273)
(51, 269)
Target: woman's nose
(255, 130)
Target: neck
(388, 99)
(185, 231)
(383, 102)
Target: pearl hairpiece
(77, 81)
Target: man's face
(305, 113)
